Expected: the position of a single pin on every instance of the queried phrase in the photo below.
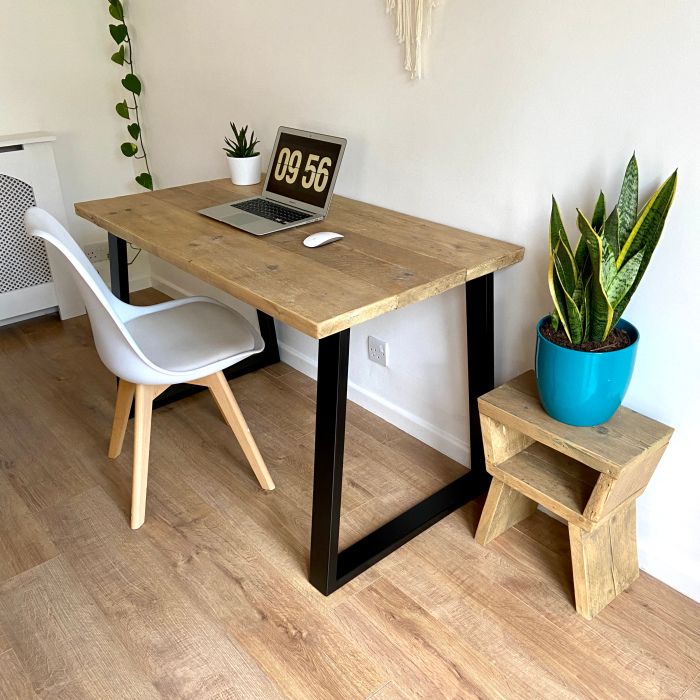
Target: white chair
(185, 341)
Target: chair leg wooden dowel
(122, 408)
(225, 400)
(142, 439)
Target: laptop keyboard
(272, 211)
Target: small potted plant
(243, 160)
(585, 351)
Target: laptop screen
(303, 168)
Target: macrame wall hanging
(413, 19)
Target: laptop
(298, 187)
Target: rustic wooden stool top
(591, 477)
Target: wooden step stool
(591, 477)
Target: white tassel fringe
(412, 18)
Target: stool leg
(604, 560)
(504, 508)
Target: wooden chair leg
(604, 561)
(504, 508)
(218, 385)
(122, 408)
(142, 442)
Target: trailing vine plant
(124, 56)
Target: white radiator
(32, 279)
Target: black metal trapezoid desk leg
(331, 395)
(330, 569)
(119, 277)
(118, 267)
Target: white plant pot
(245, 171)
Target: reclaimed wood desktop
(386, 261)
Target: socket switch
(378, 351)
(97, 252)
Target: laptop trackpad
(241, 219)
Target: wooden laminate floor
(209, 599)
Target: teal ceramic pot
(583, 388)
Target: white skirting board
(27, 302)
(138, 283)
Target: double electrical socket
(377, 350)
(97, 252)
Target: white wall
(56, 76)
(520, 100)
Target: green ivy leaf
(122, 109)
(132, 83)
(145, 180)
(129, 149)
(118, 32)
(119, 57)
(116, 10)
(134, 129)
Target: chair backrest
(107, 314)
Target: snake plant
(592, 285)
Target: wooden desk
(387, 260)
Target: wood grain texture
(693, 691)
(604, 560)
(63, 641)
(210, 597)
(4, 642)
(501, 441)
(14, 682)
(611, 493)
(504, 508)
(622, 442)
(553, 480)
(387, 260)
(390, 691)
(643, 644)
(122, 408)
(596, 496)
(180, 648)
(403, 636)
(143, 413)
(23, 541)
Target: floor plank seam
(690, 687)
(379, 690)
(355, 593)
(5, 582)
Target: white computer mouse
(321, 238)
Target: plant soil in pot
(585, 352)
(244, 161)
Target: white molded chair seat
(185, 341)
(187, 335)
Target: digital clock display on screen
(302, 168)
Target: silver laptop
(298, 188)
